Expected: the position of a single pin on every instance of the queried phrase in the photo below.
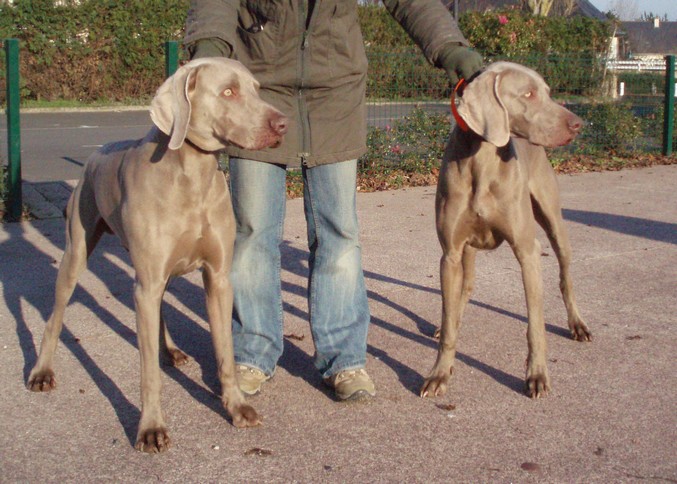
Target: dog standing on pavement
(495, 183)
(166, 200)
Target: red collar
(459, 120)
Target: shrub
(612, 126)
(415, 143)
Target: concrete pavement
(611, 417)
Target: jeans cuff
(256, 365)
(352, 365)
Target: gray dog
(494, 185)
(166, 200)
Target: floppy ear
(481, 107)
(170, 108)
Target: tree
(624, 9)
(539, 7)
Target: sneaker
(250, 379)
(353, 385)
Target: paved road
(609, 418)
(55, 145)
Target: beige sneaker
(353, 385)
(250, 379)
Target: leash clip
(460, 86)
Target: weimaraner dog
(495, 183)
(165, 198)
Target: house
(642, 46)
(647, 40)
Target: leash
(459, 120)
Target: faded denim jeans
(337, 297)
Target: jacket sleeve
(211, 25)
(429, 24)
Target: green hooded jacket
(310, 59)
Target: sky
(658, 7)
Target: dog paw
(580, 331)
(41, 381)
(537, 384)
(245, 416)
(177, 357)
(153, 441)
(435, 385)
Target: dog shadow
(195, 340)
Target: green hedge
(107, 50)
(99, 50)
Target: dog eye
(228, 92)
(528, 94)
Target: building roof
(645, 38)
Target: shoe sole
(358, 396)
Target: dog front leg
(219, 309)
(528, 253)
(469, 255)
(451, 277)
(152, 436)
(560, 243)
(546, 204)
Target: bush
(612, 127)
(94, 50)
(563, 50)
(106, 50)
(415, 143)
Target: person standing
(310, 60)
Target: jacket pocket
(346, 55)
(260, 33)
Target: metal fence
(624, 109)
(627, 109)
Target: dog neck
(191, 159)
(468, 143)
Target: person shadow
(299, 363)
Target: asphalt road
(55, 145)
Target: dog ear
(170, 108)
(481, 107)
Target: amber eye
(228, 92)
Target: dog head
(509, 99)
(214, 102)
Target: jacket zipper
(304, 129)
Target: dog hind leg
(219, 308)
(83, 231)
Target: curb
(47, 200)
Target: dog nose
(279, 123)
(575, 124)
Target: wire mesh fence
(624, 109)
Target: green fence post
(13, 128)
(171, 57)
(669, 111)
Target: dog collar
(459, 120)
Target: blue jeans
(337, 297)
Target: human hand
(461, 63)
